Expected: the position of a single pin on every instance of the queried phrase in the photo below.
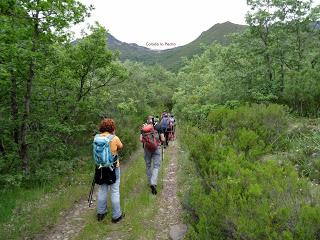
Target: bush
(11, 181)
(269, 122)
(216, 118)
(304, 148)
(240, 197)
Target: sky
(161, 24)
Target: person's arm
(162, 139)
(140, 138)
(119, 144)
(161, 134)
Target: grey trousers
(153, 162)
(114, 190)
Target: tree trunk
(25, 119)
(14, 108)
(264, 34)
(27, 99)
(299, 46)
(282, 74)
(2, 149)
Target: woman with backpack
(108, 177)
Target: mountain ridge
(172, 58)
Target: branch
(82, 79)
(99, 86)
(91, 88)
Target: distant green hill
(171, 58)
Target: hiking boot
(153, 189)
(100, 216)
(118, 219)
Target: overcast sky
(158, 21)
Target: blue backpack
(164, 123)
(101, 150)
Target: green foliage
(38, 208)
(59, 90)
(29, 99)
(53, 94)
(273, 61)
(239, 196)
(302, 91)
(303, 143)
(228, 95)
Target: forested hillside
(247, 116)
(172, 59)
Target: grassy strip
(139, 205)
(26, 212)
(187, 177)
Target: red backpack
(150, 137)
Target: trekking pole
(91, 191)
(162, 163)
(162, 151)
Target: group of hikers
(155, 135)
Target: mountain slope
(130, 51)
(171, 58)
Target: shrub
(239, 197)
(269, 122)
(304, 152)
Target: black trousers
(166, 135)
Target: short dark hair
(150, 119)
(107, 125)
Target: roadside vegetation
(239, 194)
(249, 115)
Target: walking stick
(162, 163)
(162, 151)
(91, 191)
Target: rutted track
(72, 221)
(170, 209)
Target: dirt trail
(168, 217)
(170, 208)
(72, 221)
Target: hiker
(172, 123)
(164, 123)
(152, 136)
(108, 177)
(156, 120)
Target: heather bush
(239, 196)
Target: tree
(30, 27)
